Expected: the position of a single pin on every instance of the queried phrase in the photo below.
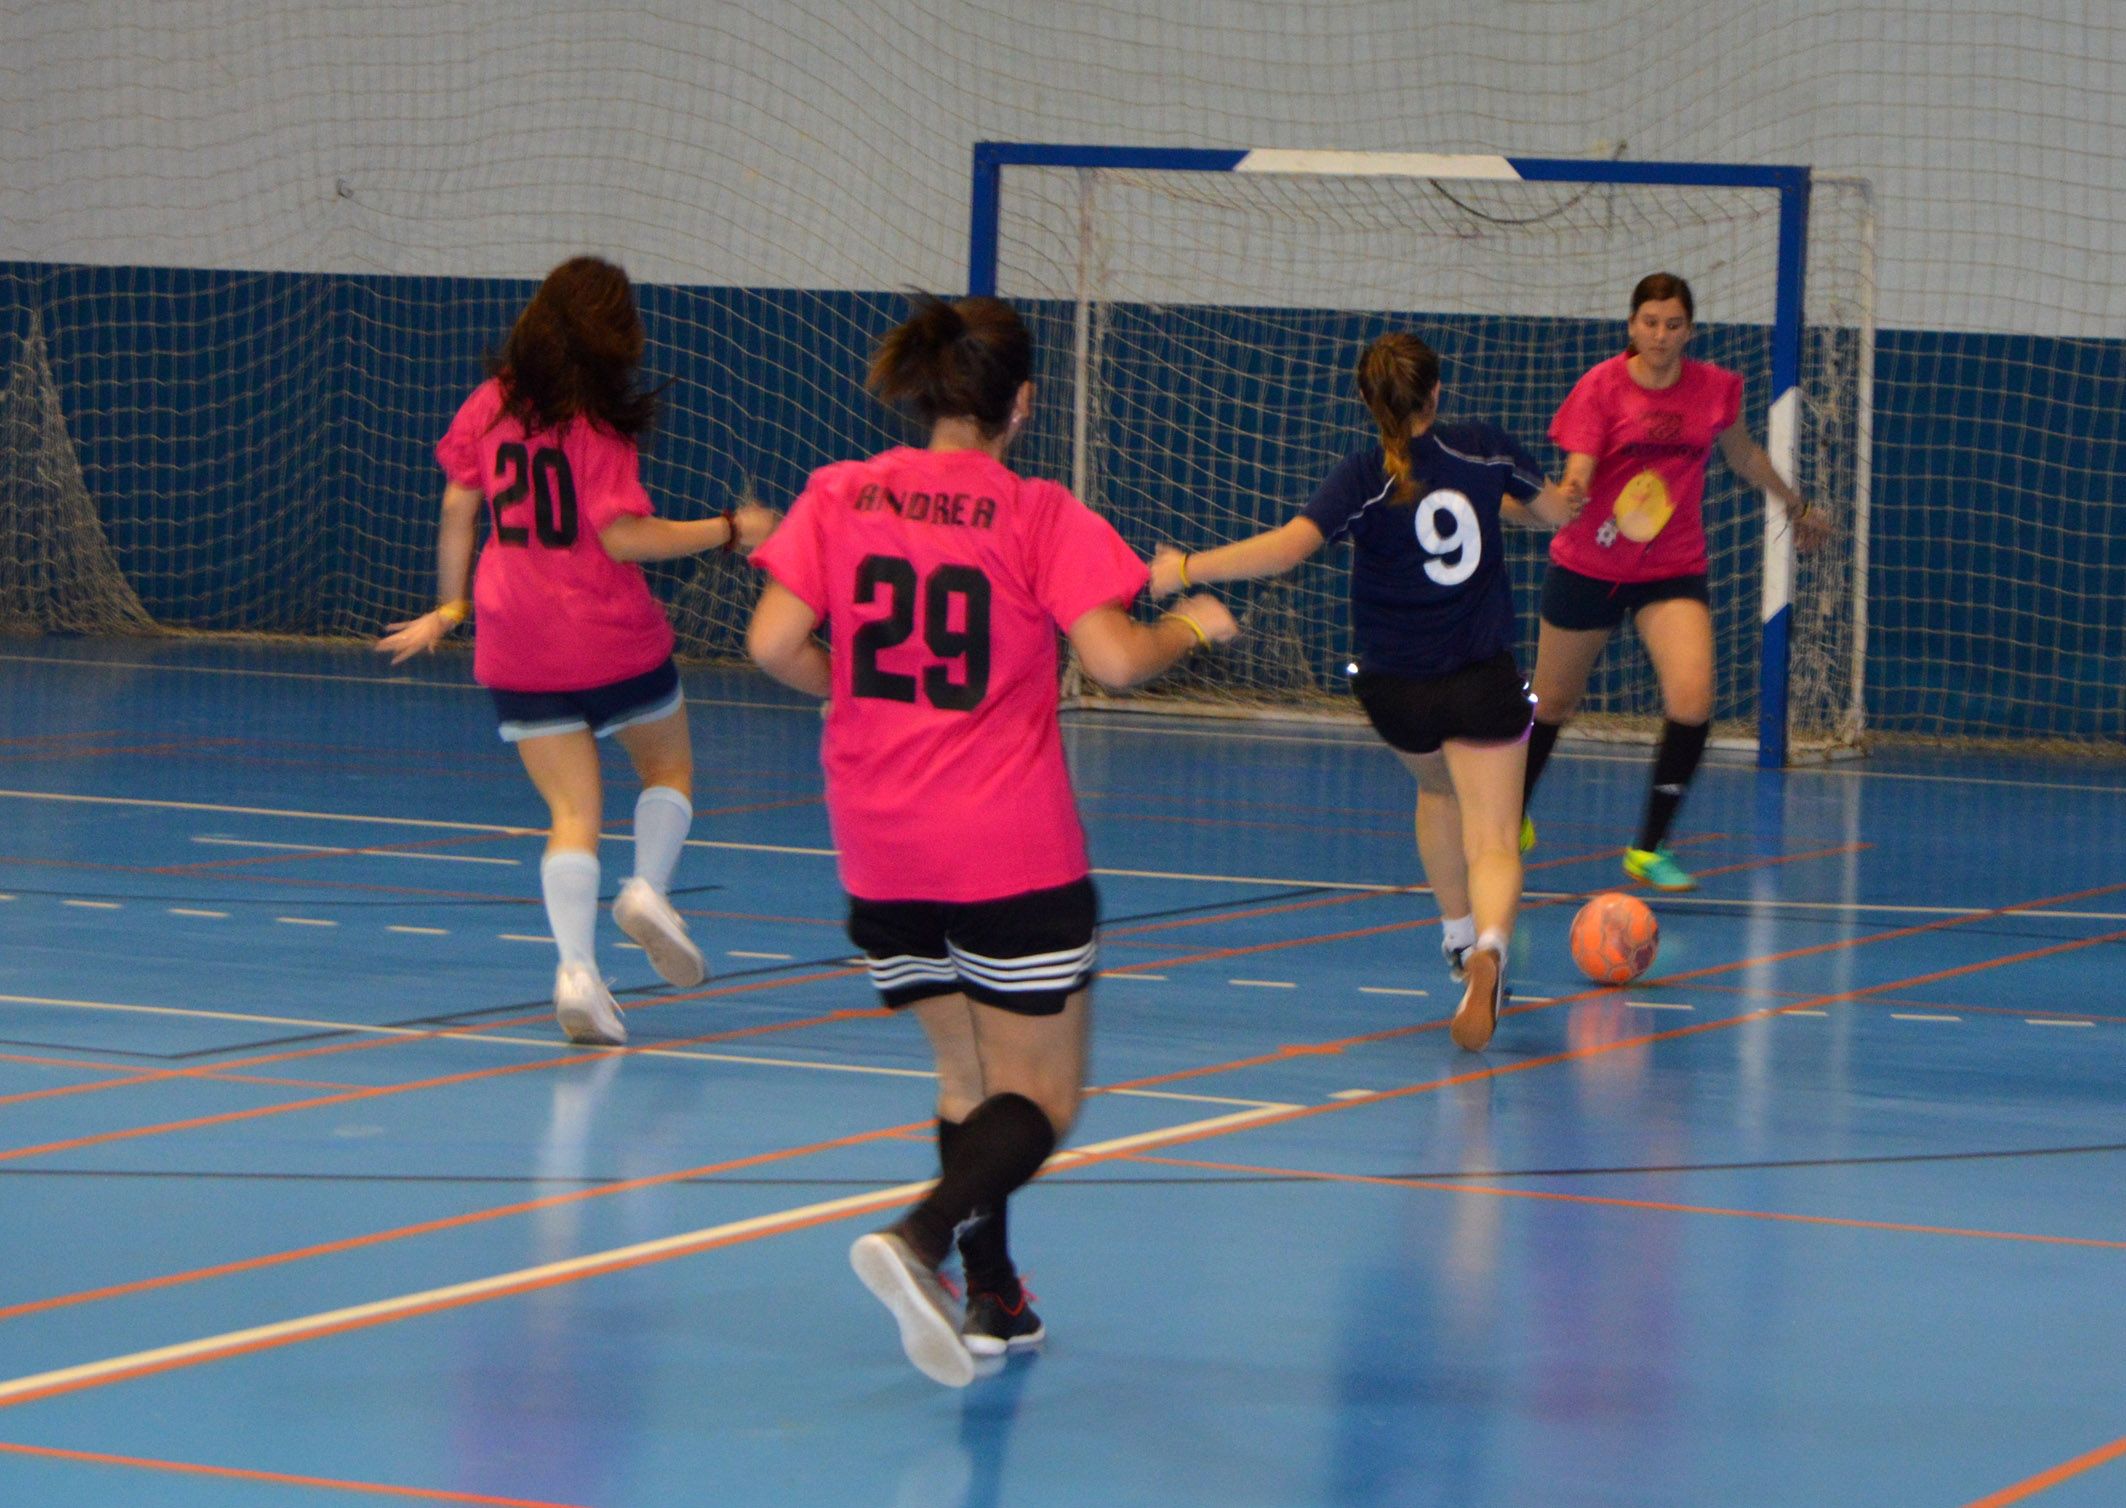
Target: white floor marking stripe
(1921, 1016)
(327, 851)
(591, 1264)
(2036, 1021)
(421, 931)
(95, 905)
(1264, 984)
(742, 953)
(304, 921)
(195, 911)
(1117, 974)
(1659, 1005)
(1383, 989)
(1804, 1013)
(524, 937)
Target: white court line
(1154, 978)
(1264, 984)
(2039, 1021)
(523, 937)
(1921, 1016)
(591, 1264)
(742, 953)
(304, 921)
(1803, 1013)
(94, 905)
(1354, 1094)
(1659, 1005)
(1382, 989)
(221, 916)
(324, 851)
(420, 931)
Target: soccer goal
(1202, 313)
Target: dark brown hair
(1656, 286)
(1396, 377)
(966, 359)
(574, 350)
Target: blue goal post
(1790, 184)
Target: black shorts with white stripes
(1024, 953)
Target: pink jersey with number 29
(943, 577)
(551, 610)
(1644, 518)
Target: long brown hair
(575, 350)
(1396, 377)
(966, 359)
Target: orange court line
(1610, 1201)
(2030, 1487)
(380, 1091)
(279, 1478)
(848, 1209)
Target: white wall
(824, 143)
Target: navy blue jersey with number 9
(1429, 591)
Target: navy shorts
(1487, 702)
(599, 709)
(1025, 953)
(1571, 600)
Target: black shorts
(1571, 600)
(1023, 953)
(1487, 702)
(600, 709)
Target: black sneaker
(991, 1329)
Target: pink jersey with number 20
(943, 577)
(551, 610)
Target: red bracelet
(730, 523)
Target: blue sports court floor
(307, 1203)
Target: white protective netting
(1206, 326)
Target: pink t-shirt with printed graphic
(944, 577)
(552, 611)
(1644, 519)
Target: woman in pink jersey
(945, 576)
(1637, 432)
(570, 641)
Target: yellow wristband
(1190, 585)
(455, 613)
(1203, 639)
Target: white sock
(662, 817)
(1458, 931)
(1495, 940)
(569, 878)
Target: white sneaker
(585, 1008)
(649, 919)
(1477, 1017)
(930, 1330)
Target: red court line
(278, 1478)
(1084, 1160)
(1610, 1201)
(2030, 1487)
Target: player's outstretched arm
(1557, 505)
(1746, 458)
(781, 643)
(635, 538)
(1118, 651)
(1270, 553)
(454, 543)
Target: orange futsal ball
(1614, 938)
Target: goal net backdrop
(1204, 330)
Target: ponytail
(1397, 376)
(955, 360)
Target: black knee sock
(1542, 738)
(1682, 746)
(985, 1237)
(1000, 1145)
